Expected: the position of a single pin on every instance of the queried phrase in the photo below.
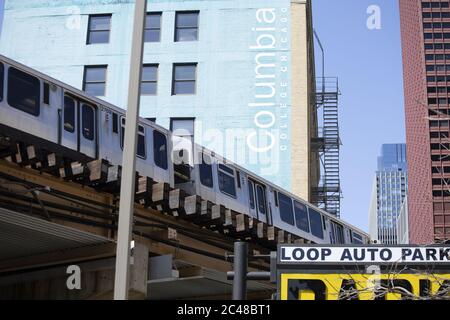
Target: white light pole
(127, 186)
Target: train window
(2, 75)
(141, 143)
(251, 193)
(182, 168)
(122, 131)
(301, 216)
(69, 114)
(315, 220)
(357, 238)
(261, 194)
(226, 180)
(46, 93)
(206, 175)
(24, 91)
(115, 120)
(275, 194)
(141, 149)
(88, 122)
(286, 209)
(160, 149)
(238, 178)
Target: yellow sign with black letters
(357, 286)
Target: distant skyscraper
(389, 191)
(402, 224)
(425, 29)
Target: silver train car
(44, 111)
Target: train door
(337, 234)
(79, 126)
(260, 201)
(252, 199)
(183, 150)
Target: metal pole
(129, 155)
(255, 275)
(323, 61)
(240, 271)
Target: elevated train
(44, 111)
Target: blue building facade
(389, 192)
(237, 75)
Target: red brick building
(425, 30)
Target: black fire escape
(328, 194)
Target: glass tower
(389, 191)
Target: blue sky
(369, 66)
(2, 3)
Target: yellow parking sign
(358, 286)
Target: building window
(95, 80)
(183, 127)
(99, 29)
(226, 181)
(186, 26)
(149, 85)
(24, 91)
(184, 78)
(153, 27)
